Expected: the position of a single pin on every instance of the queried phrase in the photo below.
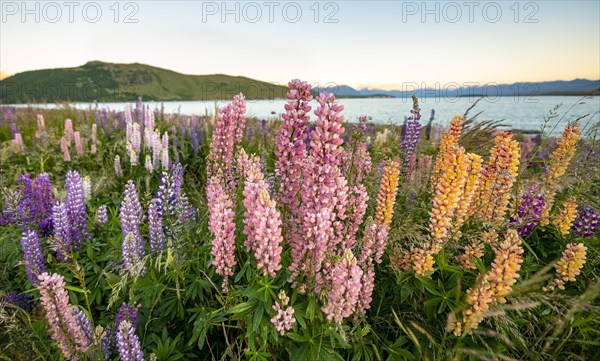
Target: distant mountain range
(109, 82)
(573, 87)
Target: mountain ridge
(114, 82)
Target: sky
(375, 44)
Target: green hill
(108, 82)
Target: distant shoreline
(408, 96)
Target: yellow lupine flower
(387, 193)
(448, 140)
(472, 251)
(497, 178)
(490, 237)
(559, 161)
(447, 196)
(478, 303)
(470, 187)
(569, 266)
(416, 259)
(421, 261)
(504, 272)
(564, 220)
(492, 286)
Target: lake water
(525, 113)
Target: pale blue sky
(375, 44)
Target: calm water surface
(518, 113)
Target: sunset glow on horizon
(380, 45)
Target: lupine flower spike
(491, 287)
(33, 257)
(568, 267)
(587, 222)
(559, 162)
(284, 319)
(63, 325)
(564, 219)
(222, 227)
(497, 178)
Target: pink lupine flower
(326, 139)
(229, 129)
(68, 131)
(356, 208)
(65, 330)
(133, 155)
(221, 225)
(365, 296)
(156, 149)
(357, 166)
(262, 222)
(78, 145)
(41, 124)
(221, 148)
(324, 197)
(17, 143)
(239, 114)
(136, 138)
(166, 164)
(148, 129)
(64, 147)
(94, 138)
(284, 319)
(291, 146)
(320, 196)
(117, 164)
(344, 289)
(148, 164)
(373, 245)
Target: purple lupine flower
(413, 131)
(34, 259)
(84, 323)
(195, 139)
(6, 219)
(76, 209)
(128, 343)
(45, 226)
(102, 216)
(132, 255)
(26, 208)
(184, 210)
(13, 129)
(107, 343)
(167, 194)
(62, 235)
(587, 222)
(529, 212)
(155, 226)
(42, 194)
(127, 313)
(131, 213)
(428, 126)
(177, 180)
(24, 302)
(130, 216)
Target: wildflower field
(139, 235)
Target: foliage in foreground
(293, 239)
